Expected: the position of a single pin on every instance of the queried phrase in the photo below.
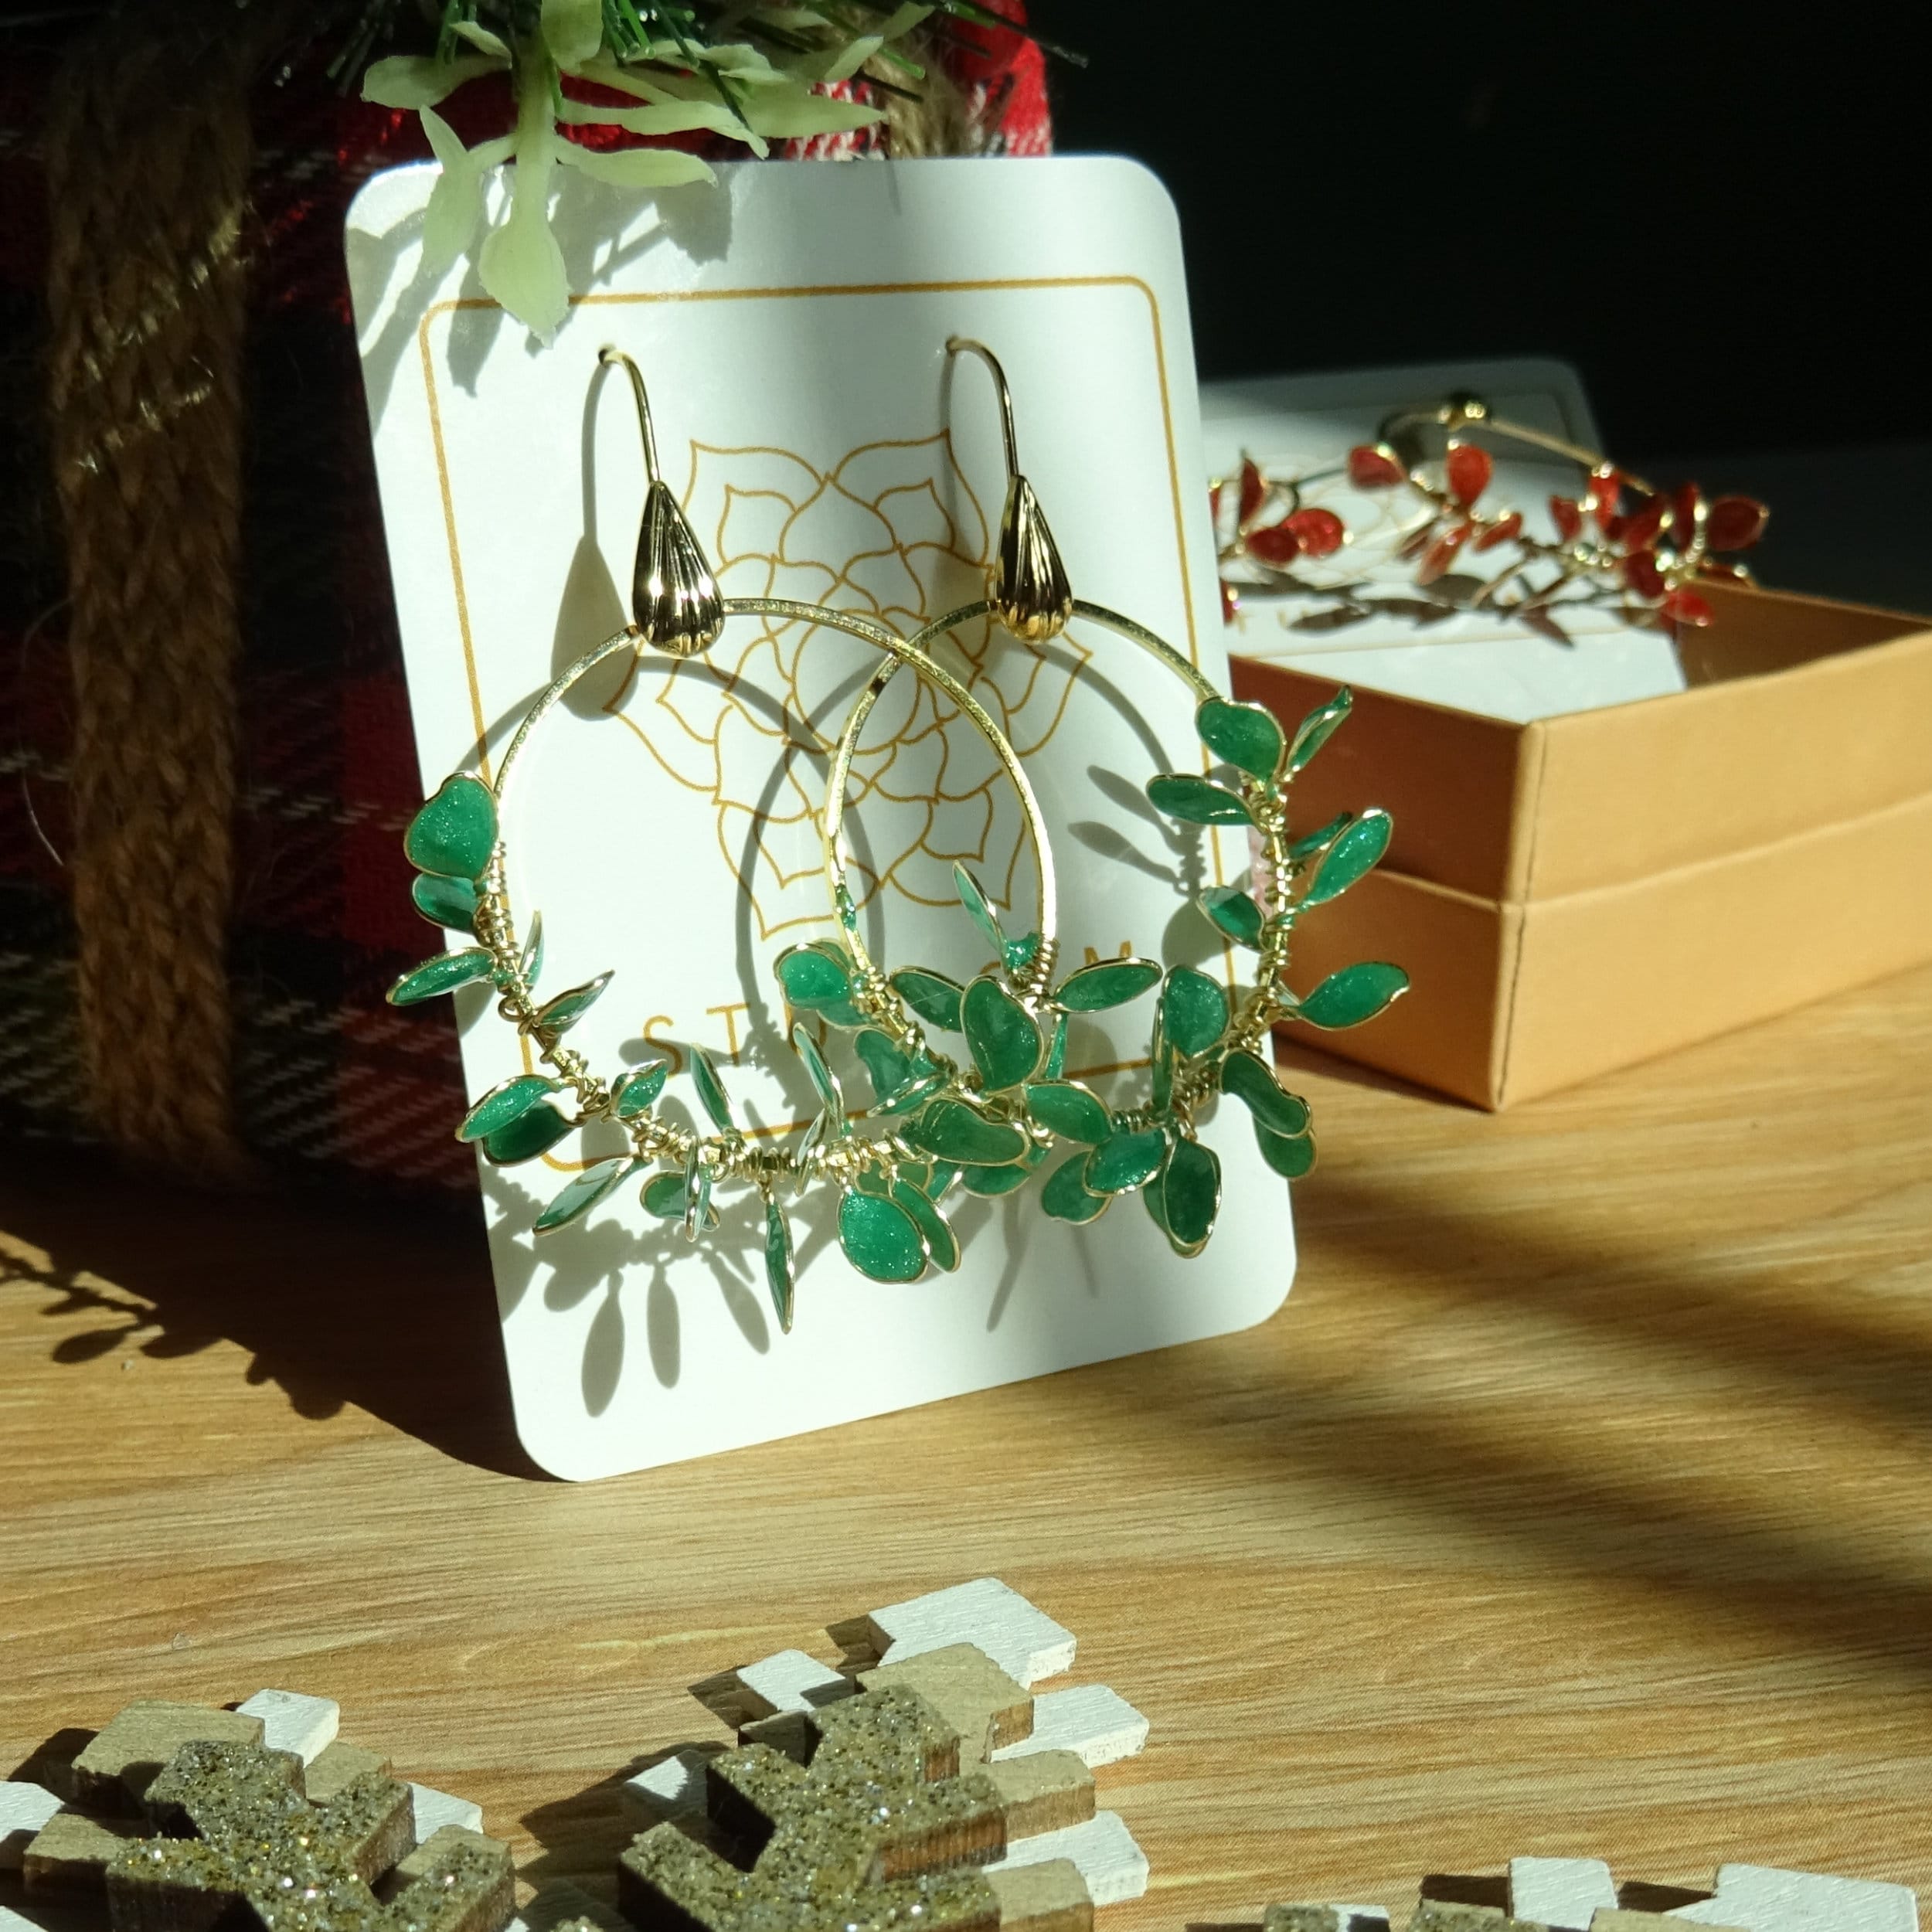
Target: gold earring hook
(1025, 582)
(676, 605)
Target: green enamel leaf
(778, 1266)
(1001, 1034)
(1017, 954)
(535, 1131)
(814, 976)
(504, 1102)
(1190, 1191)
(697, 1193)
(933, 997)
(1243, 735)
(1111, 982)
(1162, 1061)
(870, 1180)
(915, 1094)
(1234, 912)
(1317, 727)
(1314, 842)
(560, 1015)
(1200, 801)
(1290, 1155)
(880, 1239)
(940, 1176)
(455, 832)
(1124, 1161)
(1194, 1011)
(1356, 993)
(973, 897)
(440, 975)
(990, 1182)
(889, 1066)
(584, 1192)
(951, 1130)
(636, 1089)
(1054, 1064)
(825, 1082)
(531, 961)
(711, 1088)
(445, 902)
(1252, 1082)
(664, 1196)
(1064, 1195)
(941, 1243)
(1351, 855)
(1067, 1109)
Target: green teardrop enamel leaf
(814, 976)
(1110, 982)
(1071, 1112)
(504, 1102)
(887, 1065)
(941, 1243)
(951, 1131)
(663, 1196)
(1190, 1187)
(1200, 801)
(533, 959)
(1243, 735)
(535, 1131)
(560, 1015)
(445, 902)
(584, 1192)
(455, 832)
(1313, 841)
(636, 1089)
(711, 1088)
(1066, 1196)
(778, 1268)
(443, 974)
(697, 1193)
(825, 1082)
(933, 997)
(1234, 914)
(1004, 1042)
(1290, 1155)
(1124, 1161)
(1317, 727)
(1194, 1011)
(1251, 1080)
(990, 1182)
(1352, 854)
(914, 1093)
(880, 1239)
(1017, 954)
(973, 897)
(1354, 994)
(870, 1180)
(1054, 1064)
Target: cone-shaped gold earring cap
(674, 597)
(1026, 583)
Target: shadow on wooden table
(386, 1306)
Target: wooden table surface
(1576, 1502)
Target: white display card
(791, 322)
(1482, 662)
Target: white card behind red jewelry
(1485, 663)
(790, 323)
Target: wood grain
(1577, 1503)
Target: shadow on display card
(790, 322)
(1483, 663)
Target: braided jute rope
(148, 159)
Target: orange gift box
(1586, 891)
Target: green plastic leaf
(697, 1193)
(1352, 854)
(825, 1082)
(1194, 1011)
(443, 974)
(1243, 735)
(636, 1089)
(880, 1239)
(535, 1131)
(1317, 727)
(941, 1243)
(453, 834)
(1234, 914)
(778, 1266)
(1200, 801)
(503, 1104)
(584, 1192)
(445, 902)
(560, 1015)
(1001, 1034)
(1124, 1161)
(1307, 847)
(1071, 1112)
(520, 263)
(1190, 1189)
(933, 997)
(1252, 1082)
(1066, 1196)
(573, 29)
(1354, 994)
(990, 1182)
(814, 976)
(887, 1065)
(711, 1088)
(973, 897)
(635, 166)
(951, 1130)
(1111, 982)
(1290, 1155)
(418, 81)
(1054, 1064)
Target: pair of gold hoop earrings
(985, 1120)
